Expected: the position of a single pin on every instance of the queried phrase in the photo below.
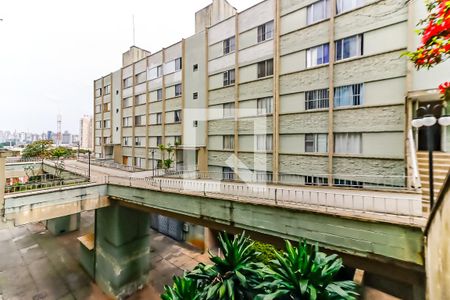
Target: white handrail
(412, 162)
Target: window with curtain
(346, 5)
(317, 11)
(349, 47)
(317, 55)
(349, 95)
(227, 173)
(317, 99)
(228, 142)
(265, 31)
(264, 142)
(316, 142)
(348, 143)
(228, 110)
(264, 105)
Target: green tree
(61, 152)
(37, 149)
(305, 273)
(167, 160)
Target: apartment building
(292, 91)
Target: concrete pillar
(64, 224)
(122, 250)
(3, 155)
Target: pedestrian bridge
(372, 230)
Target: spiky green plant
(235, 275)
(305, 273)
(183, 288)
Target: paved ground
(36, 265)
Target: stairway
(441, 166)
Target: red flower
(444, 87)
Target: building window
(228, 142)
(107, 89)
(195, 95)
(348, 143)
(317, 99)
(316, 142)
(348, 95)
(141, 77)
(159, 71)
(264, 142)
(107, 124)
(139, 141)
(158, 141)
(345, 5)
(140, 99)
(98, 141)
(177, 116)
(98, 125)
(349, 47)
(263, 176)
(177, 140)
(265, 68)
(127, 122)
(195, 68)
(126, 141)
(139, 162)
(264, 105)
(195, 124)
(317, 56)
(139, 120)
(107, 107)
(227, 173)
(178, 64)
(228, 77)
(313, 180)
(98, 92)
(158, 118)
(159, 95)
(228, 110)
(317, 11)
(98, 108)
(347, 183)
(127, 82)
(229, 45)
(127, 102)
(265, 31)
(177, 90)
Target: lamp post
(89, 165)
(429, 120)
(153, 162)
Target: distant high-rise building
(66, 138)
(86, 138)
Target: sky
(52, 50)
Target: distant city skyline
(46, 70)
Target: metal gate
(167, 226)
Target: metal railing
(44, 181)
(107, 163)
(316, 198)
(385, 182)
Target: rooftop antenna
(134, 33)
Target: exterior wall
(437, 248)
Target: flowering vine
(435, 40)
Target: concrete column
(64, 224)
(3, 155)
(122, 250)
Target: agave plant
(235, 275)
(305, 273)
(183, 289)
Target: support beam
(122, 259)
